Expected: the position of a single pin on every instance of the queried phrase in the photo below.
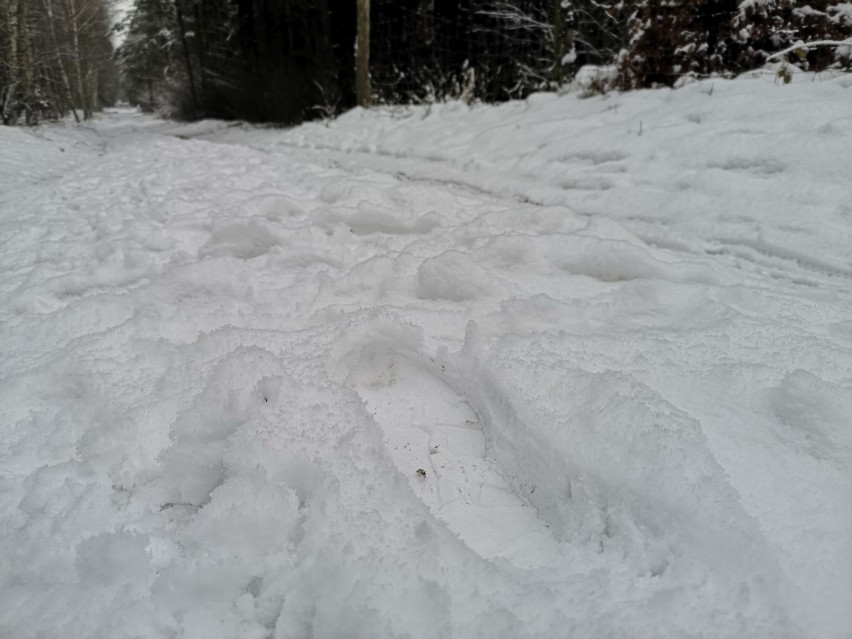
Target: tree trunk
(10, 56)
(362, 54)
(77, 55)
(187, 58)
(60, 63)
(25, 62)
(201, 35)
(93, 85)
(563, 37)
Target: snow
(613, 332)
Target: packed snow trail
(623, 363)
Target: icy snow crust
(614, 333)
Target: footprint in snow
(437, 441)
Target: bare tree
(55, 58)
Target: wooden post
(362, 55)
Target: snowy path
(623, 362)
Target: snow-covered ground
(558, 368)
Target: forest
(294, 60)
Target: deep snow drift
(559, 368)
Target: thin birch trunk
(74, 26)
(63, 74)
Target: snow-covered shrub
(669, 40)
(764, 27)
(595, 80)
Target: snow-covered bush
(764, 27)
(669, 40)
(595, 80)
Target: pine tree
(147, 51)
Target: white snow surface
(614, 333)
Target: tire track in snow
(776, 257)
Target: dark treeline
(290, 60)
(260, 60)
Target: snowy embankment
(614, 334)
